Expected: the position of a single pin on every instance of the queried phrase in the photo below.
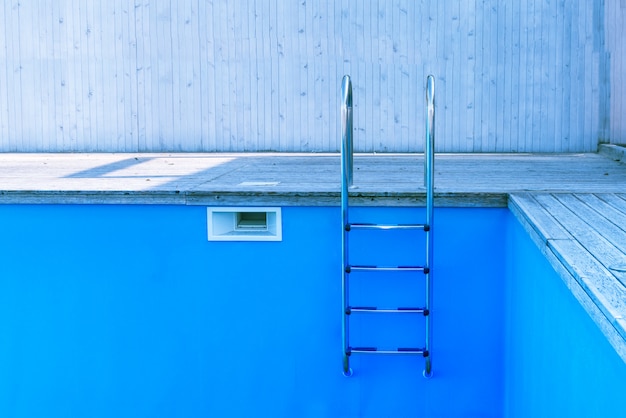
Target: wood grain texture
(380, 179)
(614, 21)
(583, 237)
(196, 76)
(539, 218)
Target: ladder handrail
(346, 131)
(429, 152)
(429, 173)
(346, 183)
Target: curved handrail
(429, 172)
(430, 133)
(346, 183)
(346, 130)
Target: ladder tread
(386, 268)
(385, 226)
(375, 309)
(377, 350)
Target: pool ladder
(347, 227)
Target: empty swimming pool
(129, 310)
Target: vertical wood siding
(256, 75)
(616, 70)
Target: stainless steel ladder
(348, 269)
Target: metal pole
(429, 154)
(346, 182)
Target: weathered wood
(598, 235)
(616, 152)
(613, 216)
(104, 197)
(589, 302)
(614, 20)
(233, 76)
(590, 283)
(525, 206)
(582, 236)
(617, 201)
(460, 180)
(608, 294)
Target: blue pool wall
(558, 362)
(130, 311)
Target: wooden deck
(584, 238)
(301, 179)
(573, 205)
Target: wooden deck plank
(596, 292)
(460, 180)
(601, 238)
(613, 212)
(617, 201)
(597, 281)
(546, 226)
(595, 288)
(612, 222)
(581, 236)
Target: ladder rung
(386, 226)
(350, 269)
(374, 309)
(375, 350)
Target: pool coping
(598, 291)
(461, 180)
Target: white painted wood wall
(616, 45)
(256, 75)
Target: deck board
(583, 237)
(312, 179)
(596, 234)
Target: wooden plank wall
(616, 45)
(256, 75)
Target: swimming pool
(128, 310)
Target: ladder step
(350, 269)
(350, 227)
(374, 309)
(375, 350)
